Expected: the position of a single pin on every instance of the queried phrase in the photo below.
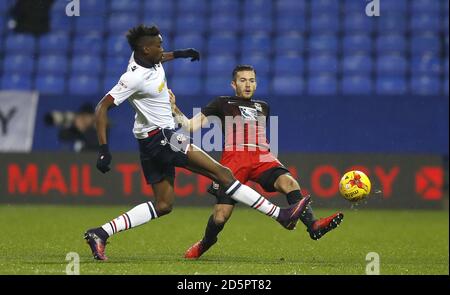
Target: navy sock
(212, 231)
(307, 218)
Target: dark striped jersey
(243, 120)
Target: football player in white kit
(161, 149)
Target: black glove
(104, 159)
(185, 53)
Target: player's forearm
(167, 56)
(101, 122)
(181, 118)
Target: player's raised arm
(190, 125)
(191, 53)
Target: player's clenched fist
(104, 159)
(187, 53)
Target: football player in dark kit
(246, 152)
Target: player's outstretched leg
(316, 228)
(141, 214)
(200, 162)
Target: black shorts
(161, 152)
(266, 181)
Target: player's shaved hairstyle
(136, 34)
(241, 68)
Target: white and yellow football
(354, 185)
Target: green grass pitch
(36, 240)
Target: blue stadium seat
(5, 5)
(425, 22)
(263, 86)
(357, 63)
(84, 85)
(20, 43)
(287, 85)
(323, 23)
(391, 85)
(188, 40)
(322, 85)
(225, 23)
(357, 85)
(323, 43)
(20, 64)
(164, 23)
(109, 82)
(427, 43)
(191, 6)
(88, 44)
(94, 7)
(288, 65)
(60, 22)
(352, 6)
(184, 67)
(52, 64)
(257, 43)
(223, 43)
(400, 6)
(257, 23)
(391, 43)
(121, 22)
(132, 6)
(391, 64)
(290, 6)
(357, 43)
(392, 23)
(115, 66)
(258, 7)
(261, 63)
(445, 85)
(218, 86)
(426, 65)
(286, 23)
(425, 85)
(323, 63)
(220, 65)
(320, 6)
(186, 85)
(359, 22)
(57, 42)
(291, 42)
(86, 64)
(224, 6)
(426, 5)
(117, 46)
(16, 81)
(90, 24)
(157, 7)
(50, 84)
(190, 23)
(445, 24)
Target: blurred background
(345, 84)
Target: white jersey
(146, 90)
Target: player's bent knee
(225, 176)
(163, 209)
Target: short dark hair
(135, 34)
(240, 68)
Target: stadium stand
(311, 44)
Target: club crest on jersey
(248, 113)
(258, 106)
(161, 86)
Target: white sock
(249, 197)
(139, 215)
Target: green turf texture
(36, 240)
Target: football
(354, 185)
